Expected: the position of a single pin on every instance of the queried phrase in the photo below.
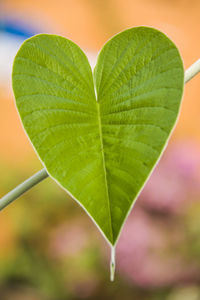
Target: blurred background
(49, 248)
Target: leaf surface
(100, 150)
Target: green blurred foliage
(50, 249)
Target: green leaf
(103, 151)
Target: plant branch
(22, 188)
(193, 70)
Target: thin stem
(112, 264)
(22, 188)
(193, 70)
(41, 175)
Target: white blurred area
(9, 45)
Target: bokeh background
(49, 248)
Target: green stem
(22, 188)
(36, 178)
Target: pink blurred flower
(145, 257)
(175, 181)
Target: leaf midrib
(104, 165)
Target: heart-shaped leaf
(100, 141)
